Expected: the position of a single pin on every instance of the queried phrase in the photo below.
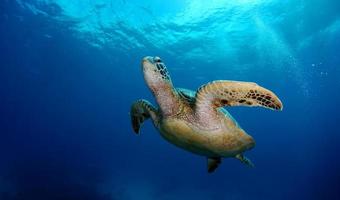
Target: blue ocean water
(69, 71)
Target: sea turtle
(197, 121)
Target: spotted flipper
(234, 93)
(244, 160)
(142, 110)
(213, 163)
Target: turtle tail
(141, 110)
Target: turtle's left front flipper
(235, 93)
(142, 110)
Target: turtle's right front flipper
(141, 110)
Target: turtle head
(158, 80)
(155, 73)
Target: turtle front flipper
(142, 110)
(213, 163)
(234, 93)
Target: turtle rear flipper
(141, 110)
(213, 163)
(244, 160)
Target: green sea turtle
(197, 121)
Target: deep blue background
(65, 131)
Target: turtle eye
(157, 59)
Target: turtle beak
(152, 60)
(147, 63)
(148, 59)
